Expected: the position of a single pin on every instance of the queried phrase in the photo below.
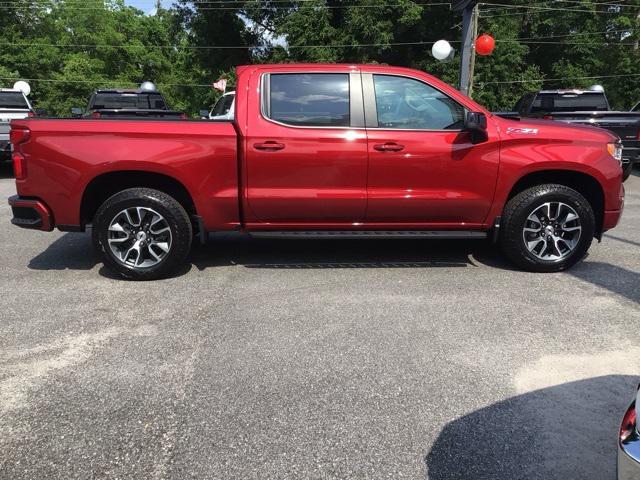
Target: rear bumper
(31, 213)
(629, 457)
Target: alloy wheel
(552, 231)
(139, 237)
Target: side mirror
(204, 113)
(476, 123)
(41, 112)
(76, 112)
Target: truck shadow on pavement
(610, 277)
(560, 432)
(71, 251)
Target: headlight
(615, 150)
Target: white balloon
(148, 87)
(22, 86)
(441, 50)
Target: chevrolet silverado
(321, 151)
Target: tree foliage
(68, 48)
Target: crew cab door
(424, 169)
(306, 148)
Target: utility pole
(158, 5)
(469, 10)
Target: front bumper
(629, 456)
(31, 213)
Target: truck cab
(144, 102)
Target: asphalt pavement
(323, 359)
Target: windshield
(569, 102)
(13, 100)
(137, 101)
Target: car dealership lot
(316, 359)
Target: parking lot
(316, 359)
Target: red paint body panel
(63, 156)
(322, 178)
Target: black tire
(174, 216)
(524, 204)
(626, 170)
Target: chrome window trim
(371, 109)
(265, 104)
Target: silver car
(629, 443)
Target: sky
(147, 6)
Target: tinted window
(138, 101)
(223, 105)
(12, 100)
(313, 99)
(569, 102)
(407, 103)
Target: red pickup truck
(321, 151)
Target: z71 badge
(523, 131)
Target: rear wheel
(142, 234)
(547, 228)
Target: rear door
(423, 168)
(306, 148)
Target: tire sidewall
(564, 195)
(128, 199)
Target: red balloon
(485, 44)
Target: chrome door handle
(269, 146)
(388, 147)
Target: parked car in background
(224, 108)
(587, 107)
(629, 443)
(14, 104)
(144, 102)
(322, 151)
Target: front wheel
(142, 234)
(547, 228)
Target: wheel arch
(107, 184)
(585, 184)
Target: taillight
(19, 165)
(31, 114)
(95, 115)
(628, 427)
(548, 117)
(183, 116)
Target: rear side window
(309, 99)
(569, 102)
(406, 103)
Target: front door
(423, 169)
(306, 158)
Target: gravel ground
(316, 359)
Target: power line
(203, 85)
(219, 47)
(529, 40)
(559, 79)
(243, 6)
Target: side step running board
(350, 234)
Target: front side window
(310, 99)
(406, 103)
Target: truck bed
(64, 155)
